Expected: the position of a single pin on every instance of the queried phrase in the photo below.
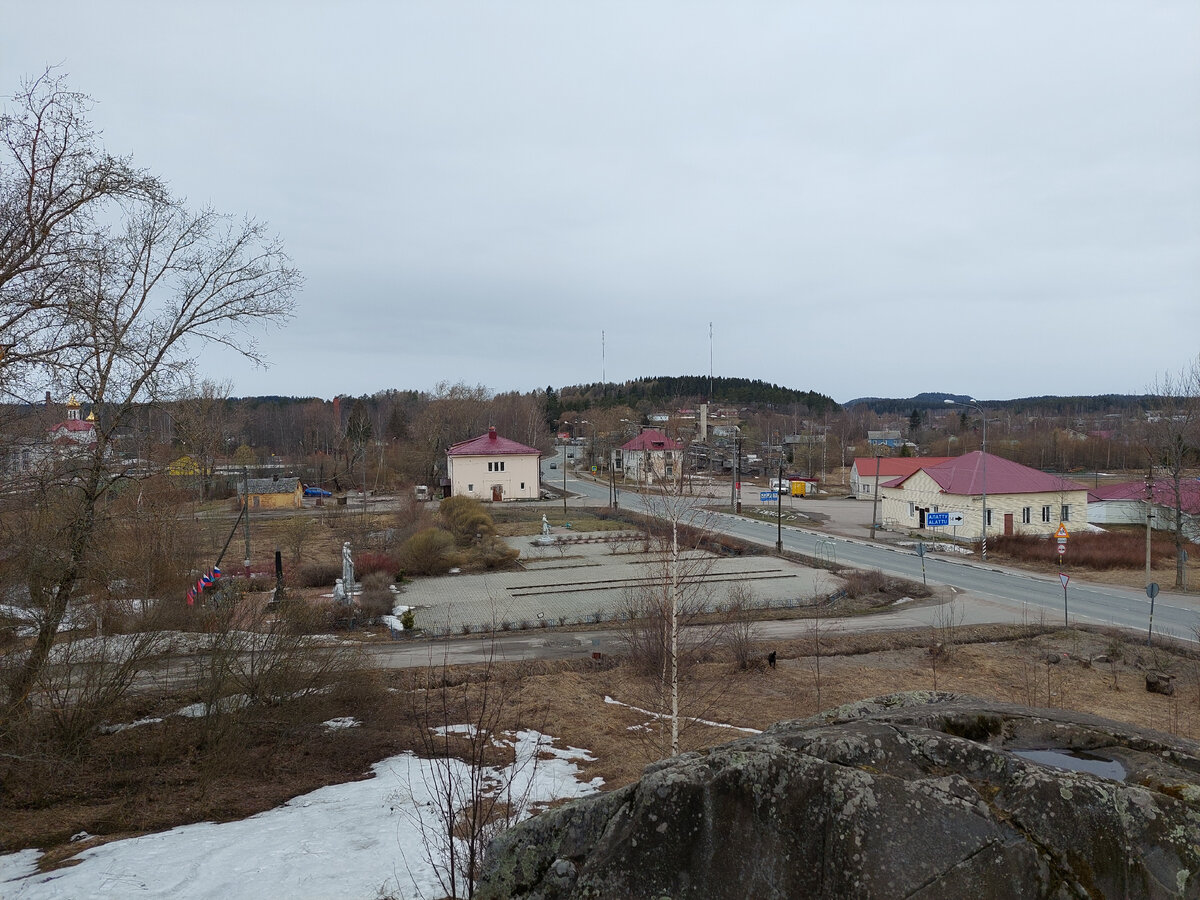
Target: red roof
(491, 444)
(74, 425)
(963, 475)
(652, 440)
(1164, 493)
(895, 466)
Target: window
(470, 488)
(1025, 515)
(936, 508)
(1045, 513)
(670, 470)
(912, 509)
(522, 485)
(490, 466)
(1066, 512)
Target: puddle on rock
(1075, 761)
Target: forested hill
(664, 390)
(1046, 405)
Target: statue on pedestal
(347, 569)
(545, 525)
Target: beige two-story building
(491, 467)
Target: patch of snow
(342, 722)
(113, 729)
(360, 839)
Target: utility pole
(737, 477)
(779, 510)
(246, 510)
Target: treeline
(668, 392)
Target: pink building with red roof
(491, 467)
(1020, 500)
(649, 458)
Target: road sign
(1062, 548)
(1062, 531)
(939, 519)
(1152, 590)
(1064, 578)
(765, 496)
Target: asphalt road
(988, 592)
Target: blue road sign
(933, 520)
(764, 496)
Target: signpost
(1064, 578)
(921, 553)
(941, 519)
(767, 496)
(1151, 592)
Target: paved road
(1007, 593)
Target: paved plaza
(588, 578)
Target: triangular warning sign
(1062, 531)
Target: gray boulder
(918, 795)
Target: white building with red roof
(649, 458)
(1020, 500)
(491, 467)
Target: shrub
(318, 575)
(493, 553)
(428, 552)
(370, 562)
(375, 599)
(466, 518)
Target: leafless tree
(462, 718)
(56, 183)
(1171, 438)
(131, 300)
(205, 423)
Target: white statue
(545, 525)
(347, 568)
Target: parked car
(312, 491)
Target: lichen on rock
(909, 795)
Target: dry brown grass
(159, 776)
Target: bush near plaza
(466, 519)
(429, 552)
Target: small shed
(272, 493)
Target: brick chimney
(491, 432)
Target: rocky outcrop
(919, 795)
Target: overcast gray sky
(995, 198)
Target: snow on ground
(356, 840)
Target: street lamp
(972, 403)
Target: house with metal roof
(491, 467)
(1125, 504)
(271, 493)
(864, 469)
(649, 458)
(1020, 500)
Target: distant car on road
(316, 492)
(554, 465)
